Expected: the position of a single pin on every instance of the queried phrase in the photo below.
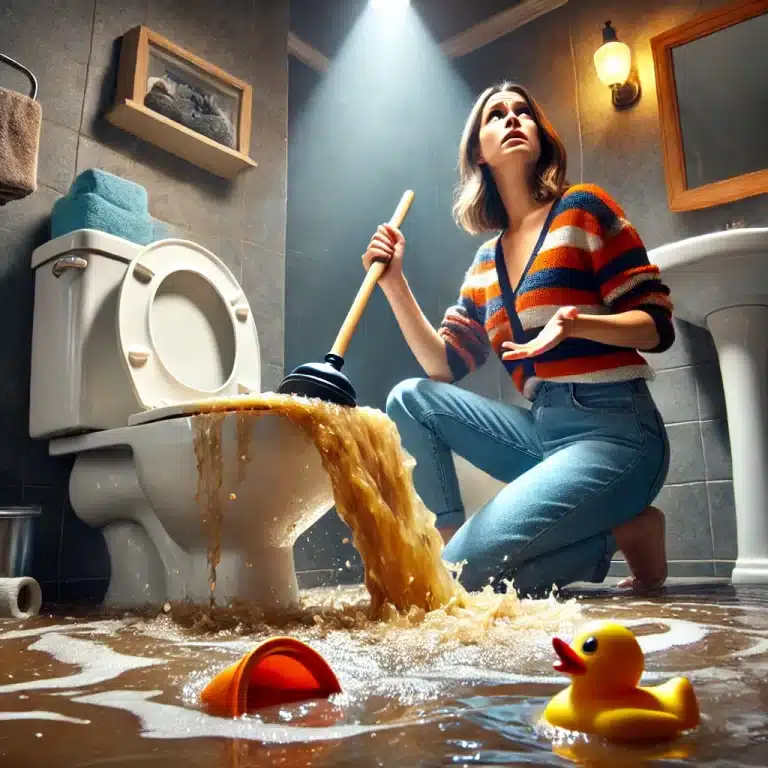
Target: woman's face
(508, 132)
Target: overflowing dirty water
(373, 491)
(102, 690)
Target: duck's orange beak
(570, 662)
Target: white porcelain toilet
(127, 341)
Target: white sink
(716, 271)
(720, 282)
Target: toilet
(128, 342)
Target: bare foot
(641, 539)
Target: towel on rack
(20, 119)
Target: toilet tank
(78, 380)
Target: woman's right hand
(387, 245)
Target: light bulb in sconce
(613, 62)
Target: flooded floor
(123, 691)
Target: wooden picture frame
(145, 52)
(681, 197)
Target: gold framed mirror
(712, 89)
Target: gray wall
(619, 150)
(72, 46)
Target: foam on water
(107, 627)
(97, 663)
(165, 721)
(679, 633)
(759, 648)
(40, 715)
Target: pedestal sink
(719, 281)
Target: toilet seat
(185, 329)
(194, 408)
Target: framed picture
(183, 104)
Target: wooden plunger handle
(376, 270)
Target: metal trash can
(17, 532)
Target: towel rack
(15, 64)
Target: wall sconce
(613, 62)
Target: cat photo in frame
(182, 103)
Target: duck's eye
(590, 645)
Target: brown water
(371, 476)
(431, 676)
(123, 691)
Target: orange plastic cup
(281, 670)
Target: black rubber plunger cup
(325, 381)
(321, 380)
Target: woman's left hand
(556, 330)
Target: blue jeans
(583, 460)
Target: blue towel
(114, 189)
(90, 211)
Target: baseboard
(685, 569)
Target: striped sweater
(588, 256)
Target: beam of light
(386, 116)
(390, 6)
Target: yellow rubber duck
(604, 699)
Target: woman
(566, 297)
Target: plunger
(325, 381)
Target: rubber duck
(606, 663)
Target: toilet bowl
(129, 344)
(139, 484)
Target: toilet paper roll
(20, 598)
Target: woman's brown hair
(478, 206)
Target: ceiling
(446, 18)
(325, 23)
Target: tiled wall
(698, 495)
(618, 150)
(314, 312)
(72, 47)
